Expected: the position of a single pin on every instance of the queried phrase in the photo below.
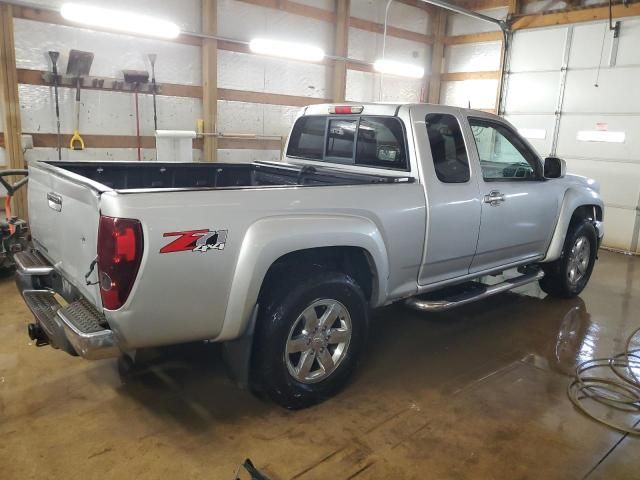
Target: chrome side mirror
(554, 167)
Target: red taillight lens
(120, 247)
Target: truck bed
(153, 175)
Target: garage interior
(476, 392)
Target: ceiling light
(278, 48)
(119, 20)
(398, 68)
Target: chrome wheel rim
(318, 341)
(578, 263)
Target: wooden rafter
(574, 15)
(10, 103)
(210, 78)
(343, 8)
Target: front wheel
(569, 275)
(309, 336)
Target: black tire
(281, 310)
(556, 281)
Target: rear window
(367, 141)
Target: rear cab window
(367, 140)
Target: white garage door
(575, 91)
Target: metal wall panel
(627, 151)
(258, 119)
(480, 94)
(367, 46)
(103, 113)
(539, 49)
(618, 91)
(113, 53)
(473, 57)
(587, 45)
(532, 92)
(536, 122)
(243, 71)
(365, 87)
(185, 13)
(248, 156)
(401, 15)
(245, 21)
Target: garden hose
(619, 392)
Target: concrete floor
(478, 392)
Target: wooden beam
(10, 104)
(341, 49)
(391, 31)
(460, 76)
(577, 15)
(210, 79)
(473, 38)
(35, 77)
(482, 4)
(514, 7)
(437, 55)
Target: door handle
(494, 198)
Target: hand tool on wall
(79, 66)
(135, 78)
(54, 63)
(154, 88)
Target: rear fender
(269, 239)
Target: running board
(429, 305)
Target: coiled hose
(619, 391)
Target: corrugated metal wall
(112, 113)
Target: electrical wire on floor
(613, 383)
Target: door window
(447, 148)
(503, 155)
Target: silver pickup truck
(371, 204)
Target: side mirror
(554, 167)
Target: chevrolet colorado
(282, 261)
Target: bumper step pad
(84, 316)
(30, 262)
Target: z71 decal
(195, 241)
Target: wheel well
(354, 261)
(591, 212)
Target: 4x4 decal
(195, 241)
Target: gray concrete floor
(478, 392)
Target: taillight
(120, 246)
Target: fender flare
(270, 238)
(572, 200)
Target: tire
(290, 361)
(569, 275)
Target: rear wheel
(569, 275)
(309, 336)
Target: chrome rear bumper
(75, 327)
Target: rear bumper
(76, 327)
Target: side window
(340, 139)
(447, 148)
(503, 155)
(307, 138)
(381, 143)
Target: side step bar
(453, 301)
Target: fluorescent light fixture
(118, 20)
(600, 136)
(533, 133)
(398, 68)
(279, 48)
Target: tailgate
(64, 215)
